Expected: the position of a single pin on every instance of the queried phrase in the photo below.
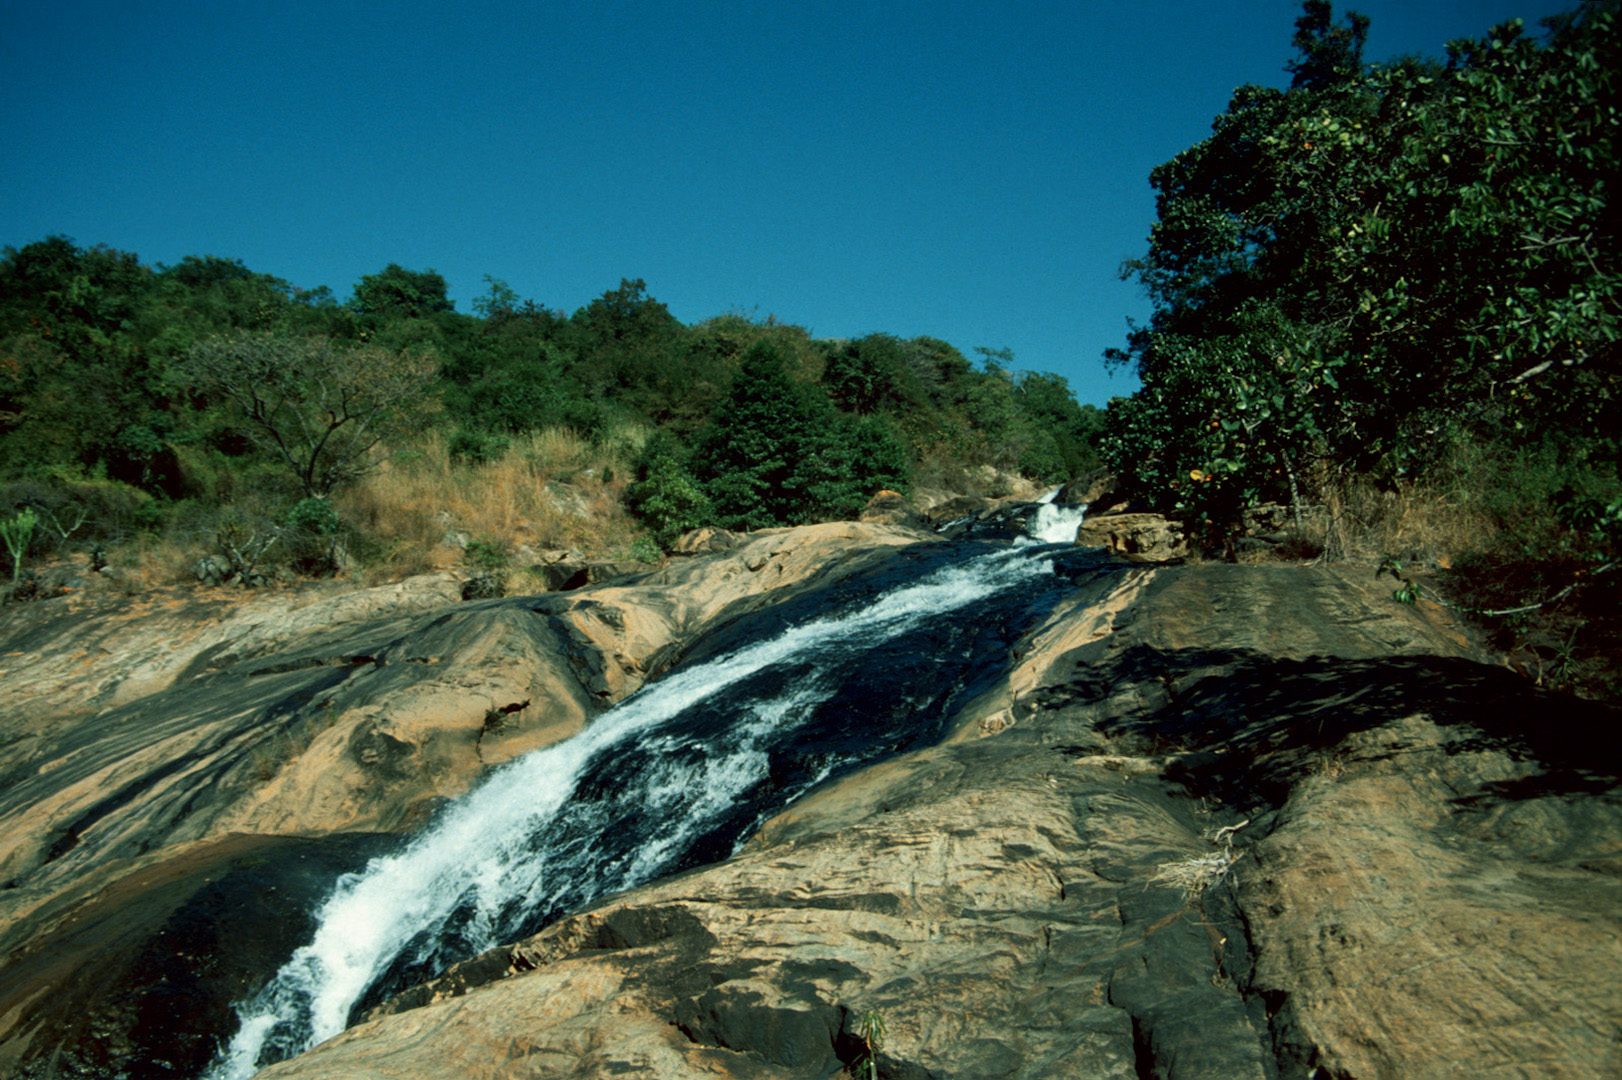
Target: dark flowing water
(675, 776)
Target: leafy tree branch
(319, 407)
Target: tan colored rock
(1233, 821)
(89, 656)
(999, 484)
(1216, 821)
(893, 508)
(320, 714)
(1140, 537)
(1091, 490)
(1410, 916)
(705, 541)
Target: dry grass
(1423, 524)
(1484, 534)
(550, 489)
(153, 562)
(1196, 873)
(1427, 527)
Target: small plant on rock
(18, 533)
(870, 1029)
(1197, 873)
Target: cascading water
(675, 776)
(1055, 523)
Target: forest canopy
(165, 389)
(1357, 273)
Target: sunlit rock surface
(156, 757)
(1230, 822)
(1214, 821)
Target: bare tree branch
(317, 406)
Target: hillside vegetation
(1388, 297)
(153, 414)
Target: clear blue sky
(972, 171)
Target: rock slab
(1217, 822)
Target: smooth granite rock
(1221, 822)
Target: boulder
(560, 575)
(705, 541)
(999, 484)
(960, 506)
(1140, 537)
(212, 570)
(893, 508)
(603, 571)
(566, 499)
(1091, 490)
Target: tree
(398, 292)
(1329, 53)
(1367, 266)
(749, 457)
(77, 388)
(499, 298)
(628, 346)
(318, 407)
(666, 496)
(777, 453)
(871, 375)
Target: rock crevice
(1211, 821)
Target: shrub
(666, 496)
(311, 537)
(476, 446)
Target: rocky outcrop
(1143, 537)
(142, 747)
(894, 508)
(1212, 821)
(1220, 822)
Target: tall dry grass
(1421, 524)
(549, 489)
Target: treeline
(150, 390)
(1396, 277)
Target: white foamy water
(1055, 523)
(526, 840)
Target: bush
(666, 496)
(478, 447)
(311, 537)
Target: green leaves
(666, 496)
(1357, 269)
(777, 453)
(17, 533)
(397, 291)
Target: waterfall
(676, 775)
(1055, 523)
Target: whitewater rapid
(670, 765)
(1056, 523)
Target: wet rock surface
(1223, 822)
(141, 745)
(1209, 821)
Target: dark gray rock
(1225, 822)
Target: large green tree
(1374, 262)
(398, 292)
(777, 453)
